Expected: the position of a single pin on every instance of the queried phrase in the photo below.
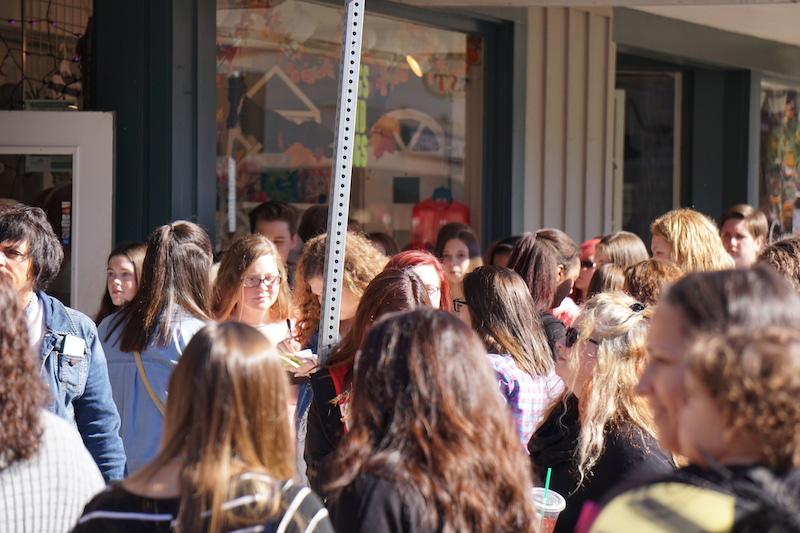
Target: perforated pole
(339, 197)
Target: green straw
(546, 490)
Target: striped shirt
(120, 511)
(46, 492)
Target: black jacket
(554, 329)
(324, 431)
(371, 504)
(627, 453)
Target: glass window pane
(277, 81)
(649, 170)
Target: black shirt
(627, 452)
(375, 505)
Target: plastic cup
(547, 511)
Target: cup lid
(555, 502)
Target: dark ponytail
(175, 274)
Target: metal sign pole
(339, 197)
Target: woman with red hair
(427, 267)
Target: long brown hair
(133, 252)
(175, 274)
(242, 253)
(536, 262)
(362, 262)
(22, 392)
(426, 414)
(503, 315)
(226, 421)
(391, 291)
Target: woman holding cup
(600, 432)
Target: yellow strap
(142, 374)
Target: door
(63, 161)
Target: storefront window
(418, 124)
(780, 157)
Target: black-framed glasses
(458, 303)
(571, 337)
(587, 264)
(255, 281)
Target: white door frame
(89, 138)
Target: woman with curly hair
(601, 432)
(391, 291)
(784, 257)
(46, 474)
(700, 304)
(646, 280)
(362, 262)
(430, 445)
(690, 240)
(738, 429)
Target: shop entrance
(62, 161)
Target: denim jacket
(78, 382)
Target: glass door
(62, 161)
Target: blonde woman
(223, 465)
(252, 287)
(600, 432)
(690, 240)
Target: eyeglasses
(587, 264)
(571, 337)
(458, 303)
(254, 281)
(12, 254)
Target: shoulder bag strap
(142, 374)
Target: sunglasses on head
(571, 337)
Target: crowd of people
(652, 393)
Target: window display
(277, 79)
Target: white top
(34, 317)
(48, 491)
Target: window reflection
(277, 80)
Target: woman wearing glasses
(427, 267)
(252, 287)
(600, 432)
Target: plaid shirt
(527, 396)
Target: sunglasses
(587, 264)
(571, 337)
(458, 303)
